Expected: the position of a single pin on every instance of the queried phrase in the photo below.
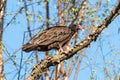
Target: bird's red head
(79, 27)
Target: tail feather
(28, 47)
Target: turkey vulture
(57, 37)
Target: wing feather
(55, 34)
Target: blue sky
(107, 45)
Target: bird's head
(76, 27)
(79, 27)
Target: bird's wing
(55, 34)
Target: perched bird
(57, 37)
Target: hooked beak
(80, 27)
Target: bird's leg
(60, 48)
(66, 48)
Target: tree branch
(56, 59)
(2, 12)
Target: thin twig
(17, 12)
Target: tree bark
(56, 59)
(2, 10)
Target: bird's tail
(28, 47)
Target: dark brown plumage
(56, 37)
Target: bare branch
(28, 22)
(60, 12)
(81, 13)
(82, 4)
(2, 11)
(47, 14)
(78, 65)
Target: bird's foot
(63, 50)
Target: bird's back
(52, 35)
